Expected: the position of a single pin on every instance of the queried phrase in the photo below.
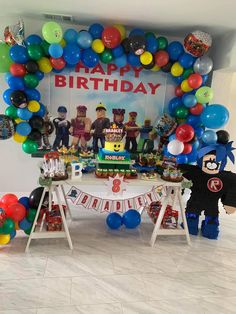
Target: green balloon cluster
(29, 147)
(106, 56)
(181, 112)
(35, 52)
(5, 60)
(31, 80)
(7, 227)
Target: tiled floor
(118, 272)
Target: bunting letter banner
(95, 203)
(73, 194)
(106, 206)
(84, 199)
(118, 206)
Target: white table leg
(182, 209)
(63, 218)
(67, 204)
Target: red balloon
(197, 109)
(184, 133)
(18, 211)
(8, 199)
(17, 69)
(178, 91)
(58, 63)
(161, 58)
(6, 209)
(111, 37)
(187, 148)
(195, 80)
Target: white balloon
(203, 65)
(175, 147)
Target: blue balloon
(39, 74)
(198, 132)
(41, 112)
(13, 234)
(24, 224)
(133, 60)
(32, 94)
(33, 40)
(136, 31)
(177, 79)
(96, 30)
(7, 76)
(70, 36)
(195, 144)
(182, 159)
(19, 54)
(121, 61)
(186, 60)
(209, 137)
(117, 51)
(214, 116)
(55, 50)
(71, 54)
(89, 58)
(173, 104)
(172, 137)
(175, 50)
(131, 219)
(16, 83)
(114, 221)
(151, 43)
(23, 128)
(7, 96)
(190, 101)
(194, 121)
(84, 39)
(204, 79)
(192, 157)
(24, 114)
(24, 200)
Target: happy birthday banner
(80, 198)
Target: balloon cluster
(131, 219)
(186, 63)
(17, 214)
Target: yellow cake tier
(114, 146)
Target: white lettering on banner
(106, 206)
(118, 206)
(95, 203)
(84, 199)
(139, 201)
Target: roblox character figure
(46, 131)
(210, 184)
(80, 128)
(146, 140)
(98, 126)
(132, 131)
(118, 118)
(62, 127)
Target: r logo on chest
(214, 185)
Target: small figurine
(46, 130)
(146, 142)
(118, 118)
(132, 131)
(62, 129)
(80, 128)
(98, 126)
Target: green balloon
(11, 112)
(45, 47)
(29, 146)
(27, 231)
(5, 59)
(35, 52)
(204, 94)
(162, 43)
(187, 72)
(31, 214)
(181, 112)
(31, 80)
(8, 226)
(106, 56)
(52, 32)
(149, 34)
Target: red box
(170, 219)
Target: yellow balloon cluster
(98, 46)
(177, 69)
(146, 58)
(19, 138)
(185, 86)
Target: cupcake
(104, 173)
(128, 173)
(110, 172)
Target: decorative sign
(116, 185)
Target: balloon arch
(26, 61)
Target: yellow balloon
(18, 120)
(19, 138)
(98, 46)
(177, 69)
(146, 58)
(185, 87)
(121, 29)
(155, 68)
(45, 65)
(33, 106)
(62, 42)
(17, 225)
(4, 239)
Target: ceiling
(173, 17)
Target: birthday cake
(113, 159)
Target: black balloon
(149, 66)
(167, 67)
(222, 137)
(35, 197)
(36, 122)
(18, 99)
(137, 44)
(126, 45)
(31, 66)
(35, 135)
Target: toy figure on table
(98, 126)
(210, 184)
(118, 118)
(146, 140)
(62, 129)
(46, 131)
(80, 128)
(132, 131)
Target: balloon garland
(26, 64)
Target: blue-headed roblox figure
(211, 183)
(62, 127)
